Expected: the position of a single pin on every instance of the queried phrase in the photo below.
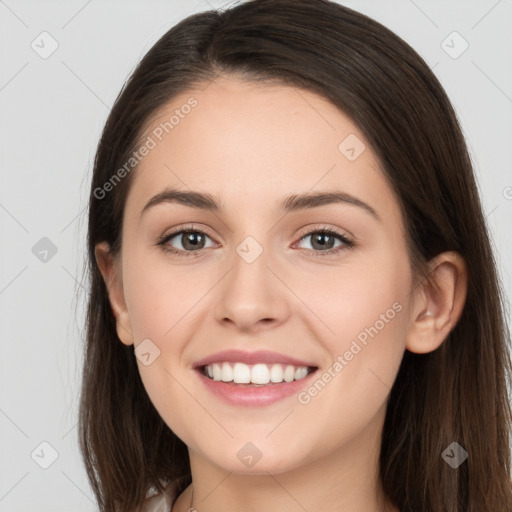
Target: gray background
(52, 112)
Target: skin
(251, 145)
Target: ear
(109, 268)
(438, 303)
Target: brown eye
(192, 240)
(183, 242)
(323, 241)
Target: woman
(294, 304)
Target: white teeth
(260, 373)
(217, 372)
(300, 373)
(227, 372)
(289, 373)
(241, 373)
(276, 373)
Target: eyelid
(322, 227)
(186, 227)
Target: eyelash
(347, 244)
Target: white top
(157, 503)
(160, 502)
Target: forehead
(254, 143)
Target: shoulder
(160, 502)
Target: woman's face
(257, 274)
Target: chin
(251, 460)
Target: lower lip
(253, 395)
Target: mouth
(253, 379)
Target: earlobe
(110, 271)
(438, 303)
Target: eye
(189, 240)
(323, 241)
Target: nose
(252, 298)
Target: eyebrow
(291, 203)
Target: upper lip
(240, 356)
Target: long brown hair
(458, 393)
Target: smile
(262, 374)
(255, 379)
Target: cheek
(160, 297)
(163, 304)
(364, 320)
(360, 302)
